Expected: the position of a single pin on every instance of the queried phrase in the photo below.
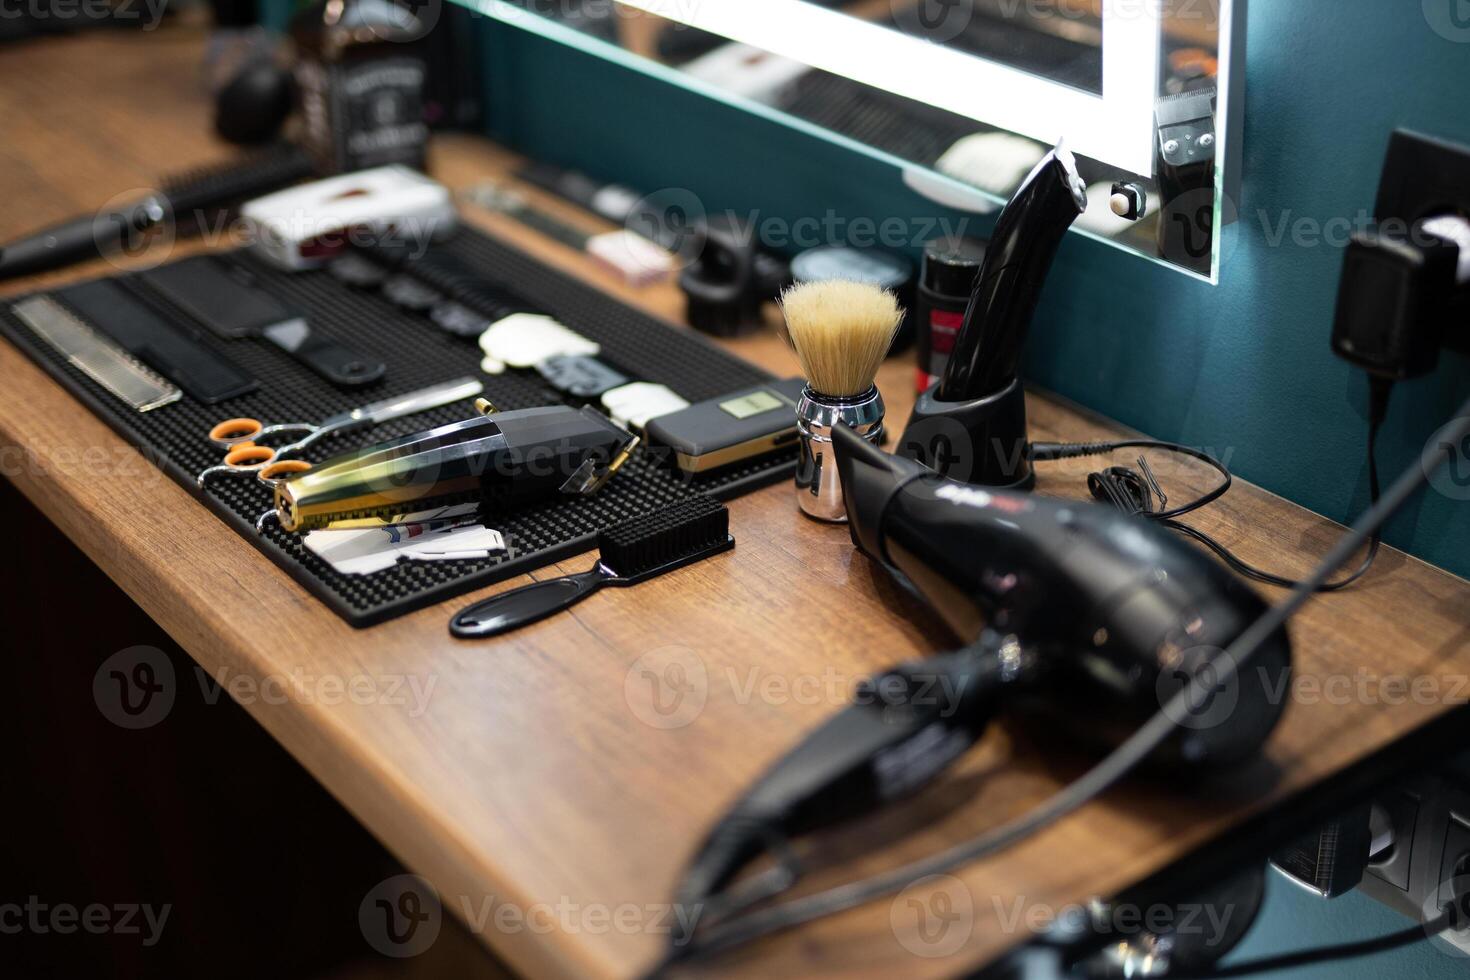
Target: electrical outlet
(1422, 178)
(1394, 819)
(1427, 866)
(1455, 870)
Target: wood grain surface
(537, 772)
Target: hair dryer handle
(904, 728)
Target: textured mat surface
(417, 354)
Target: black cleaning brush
(632, 552)
(194, 194)
(186, 200)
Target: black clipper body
(971, 424)
(503, 459)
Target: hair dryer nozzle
(1120, 612)
(870, 477)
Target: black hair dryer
(1074, 612)
(972, 424)
(1117, 611)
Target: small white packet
(446, 534)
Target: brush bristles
(689, 527)
(841, 331)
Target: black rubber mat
(418, 354)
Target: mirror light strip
(1116, 128)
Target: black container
(360, 83)
(945, 282)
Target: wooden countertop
(537, 773)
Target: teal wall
(276, 13)
(1293, 920)
(1241, 367)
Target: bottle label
(944, 329)
(314, 93)
(380, 114)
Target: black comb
(632, 552)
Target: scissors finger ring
(263, 461)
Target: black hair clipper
(502, 459)
(1186, 150)
(972, 424)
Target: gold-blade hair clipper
(500, 458)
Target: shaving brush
(841, 331)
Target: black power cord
(1115, 767)
(1139, 494)
(1041, 452)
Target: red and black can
(945, 283)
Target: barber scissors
(244, 455)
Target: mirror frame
(1116, 128)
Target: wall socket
(1427, 865)
(1425, 177)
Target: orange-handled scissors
(244, 455)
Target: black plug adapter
(1394, 300)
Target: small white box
(302, 227)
